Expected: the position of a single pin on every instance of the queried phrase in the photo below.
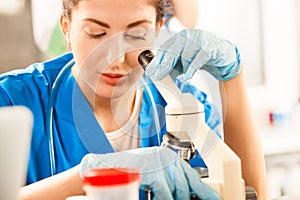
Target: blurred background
(17, 46)
(267, 33)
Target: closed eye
(135, 37)
(95, 36)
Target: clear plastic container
(111, 183)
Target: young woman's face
(106, 37)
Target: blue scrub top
(75, 129)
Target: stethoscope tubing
(49, 114)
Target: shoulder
(44, 70)
(34, 79)
(56, 63)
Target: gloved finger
(201, 46)
(192, 46)
(162, 64)
(152, 66)
(166, 66)
(193, 57)
(88, 162)
(198, 61)
(224, 66)
(202, 190)
(160, 189)
(181, 184)
(156, 61)
(166, 57)
(216, 63)
(119, 159)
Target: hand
(161, 169)
(196, 49)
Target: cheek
(81, 48)
(132, 58)
(77, 44)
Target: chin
(110, 92)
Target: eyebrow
(98, 22)
(138, 23)
(133, 24)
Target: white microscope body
(185, 120)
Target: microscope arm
(185, 120)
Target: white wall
(266, 33)
(238, 21)
(281, 50)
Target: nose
(117, 62)
(121, 58)
(117, 51)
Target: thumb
(202, 190)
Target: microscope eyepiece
(145, 58)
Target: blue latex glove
(196, 49)
(161, 169)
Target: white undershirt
(127, 136)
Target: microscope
(188, 132)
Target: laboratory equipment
(16, 123)
(185, 148)
(162, 172)
(111, 183)
(185, 122)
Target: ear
(65, 28)
(65, 25)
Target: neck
(111, 113)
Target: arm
(186, 11)
(241, 135)
(57, 187)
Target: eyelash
(95, 36)
(135, 37)
(98, 36)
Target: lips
(112, 79)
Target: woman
(101, 83)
